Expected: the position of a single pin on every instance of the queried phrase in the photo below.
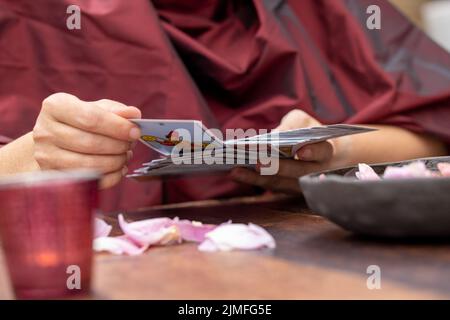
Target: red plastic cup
(46, 228)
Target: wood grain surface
(314, 259)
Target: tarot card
(163, 135)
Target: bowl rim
(314, 177)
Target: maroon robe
(231, 64)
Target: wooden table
(313, 259)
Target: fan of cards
(188, 147)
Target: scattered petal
(140, 235)
(365, 172)
(193, 230)
(444, 169)
(171, 235)
(101, 228)
(415, 169)
(208, 246)
(117, 245)
(149, 225)
(237, 236)
(150, 231)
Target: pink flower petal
(149, 225)
(265, 237)
(413, 170)
(444, 169)
(117, 245)
(101, 228)
(193, 230)
(237, 236)
(208, 246)
(365, 172)
(139, 235)
(150, 231)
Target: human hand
(310, 158)
(71, 133)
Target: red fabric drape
(232, 64)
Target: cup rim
(35, 178)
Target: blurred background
(433, 16)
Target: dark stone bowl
(387, 208)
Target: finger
(52, 157)
(295, 119)
(119, 108)
(74, 139)
(274, 182)
(130, 113)
(108, 105)
(89, 117)
(295, 168)
(111, 179)
(319, 152)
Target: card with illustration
(163, 135)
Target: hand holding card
(71, 133)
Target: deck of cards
(188, 147)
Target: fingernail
(135, 133)
(129, 155)
(305, 154)
(124, 170)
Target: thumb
(296, 119)
(317, 152)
